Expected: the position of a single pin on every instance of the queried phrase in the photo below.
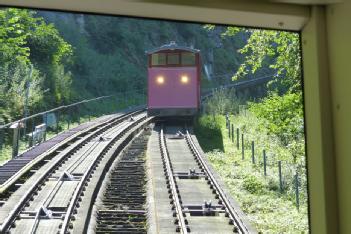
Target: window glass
(158, 59)
(173, 58)
(188, 58)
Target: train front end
(173, 81)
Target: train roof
(172, 46)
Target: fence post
(242, 146)
(297, 191)
(229, 129)
(226, 121)
(68, 119)
(57, 122)
(253, 151)
(2, 137)
(233, 133)
(46, 125)
(32, 132)
(264, 163)
(237, 138)
(78, 115)
(280, 176)
(15, 144)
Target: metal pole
(27, 86)
(264, 163)
(32, 132)
(78, 115)
(280, 176)
(15, 141)
(227, 120)
(232, 133)
(229, 129)
(57, 122)
(242, 147)
(237, 138)
(46, 125)
(253, 151)
(1, 138)
(68, 119)
(297, 191)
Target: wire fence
(289, 176)
(19, 136)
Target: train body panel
(173, 92)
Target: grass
(259, 196)
(210, 126)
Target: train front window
(188, 58)
(158, 59)
(173, 59)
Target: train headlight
(184, 79)
(160, 80)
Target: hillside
(109, 52)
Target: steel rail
(238, 221)
(178, 207)
(117, 130)
(36, 160)
(82, 182)
(47, 199)
(8, 221)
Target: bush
(208, 131)
(273, 185)
(253, 185)
(282, 116)
(221, 102)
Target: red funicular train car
(173, 80)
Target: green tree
(26, 40)
(278, 50)
(282, 110)
(282, 115)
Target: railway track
(110, 181)
(121, 206)
(48, 200)
(19, 169)
(198, 203)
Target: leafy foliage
(278, 50)
(253, 185)
(282, 116)
(222, 101)
(33, 57)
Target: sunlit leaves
(279, 47)
(26, 40)
(277, 50)
(282, 115)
